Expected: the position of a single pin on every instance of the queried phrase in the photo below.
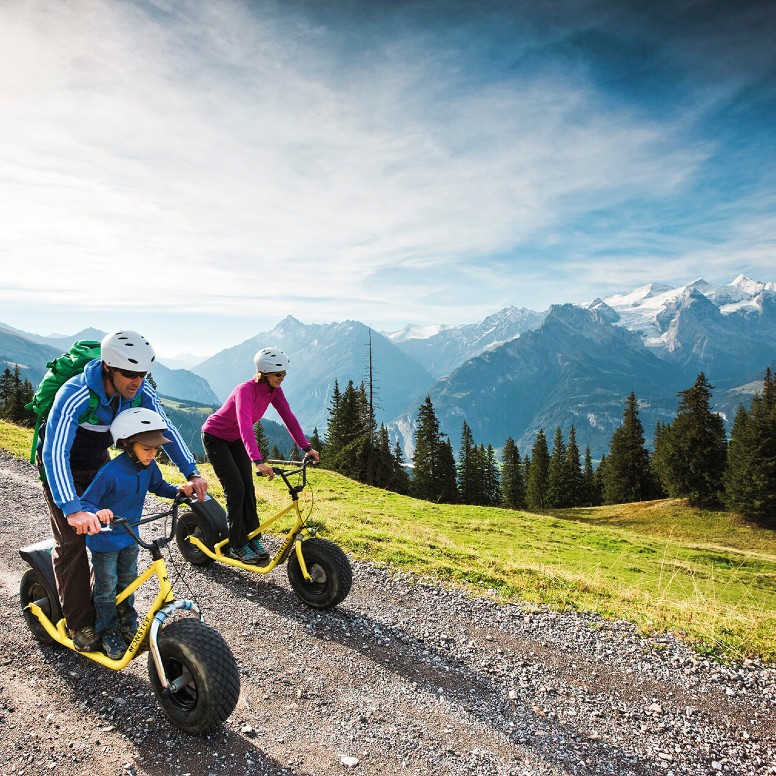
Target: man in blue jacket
(76, 438)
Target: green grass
(709, 577)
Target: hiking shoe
(258, 548)
(244, 554)
(128, 633)
(113, 644)
(85, 640)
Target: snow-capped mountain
(726, 330)
(443, 348)
(649, 309)
(574, 368)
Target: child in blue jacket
(120, 488)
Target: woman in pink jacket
(230, 444)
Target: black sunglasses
(130, 375)
(278, 374)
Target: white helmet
(139, 422)
(127, 350)
(271, 360)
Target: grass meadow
(709, 577)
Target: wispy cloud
(229, 153)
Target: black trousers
(234, 470)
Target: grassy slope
(705, 575)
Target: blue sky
(199, 170)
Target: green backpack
(60, 370)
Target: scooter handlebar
(132, 524)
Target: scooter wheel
(35, 589)
(199, 663)
(330, 569)
(192, 524)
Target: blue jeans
(113, 571)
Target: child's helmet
(127, 350)
(139, 424)
(271, 360)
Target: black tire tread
(338, 570)
(33, 581)
(187, 522)
(207, 656)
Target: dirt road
(404, 677)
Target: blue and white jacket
(121, 486)
(68, 446)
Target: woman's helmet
(271, 360)
(139, 424)
(127, 350)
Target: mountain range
(32, 352)
(510, 374)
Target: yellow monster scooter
(191, 668)
(318, 570)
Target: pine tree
(628, 476)
(401, 478)
(6, 387)
(348, 438)
(477, 472)
(317, 443)
(492, 478)
(536, 482)
(335, 433)
(574, 471)
(600, 476)
(695, 448)
(15, 392)
(557, 481)
(512, 482)
(468, 485)
(261, 439)
(590, 493)
(750, 476)
(433, 477)
(448, 488)
(385, 470)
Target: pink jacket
(246, 405)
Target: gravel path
(404, 677)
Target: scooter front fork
(300, 558)
(167, 687)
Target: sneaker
(258, 549)
(113, 644)
(85, 640)
(244, 554)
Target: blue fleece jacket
(69, 446)
(121, 486)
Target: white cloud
(202, 154)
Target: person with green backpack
(75, 437)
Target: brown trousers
(71, 563)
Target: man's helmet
(127, 350)
(271, 360)
(139, 424)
